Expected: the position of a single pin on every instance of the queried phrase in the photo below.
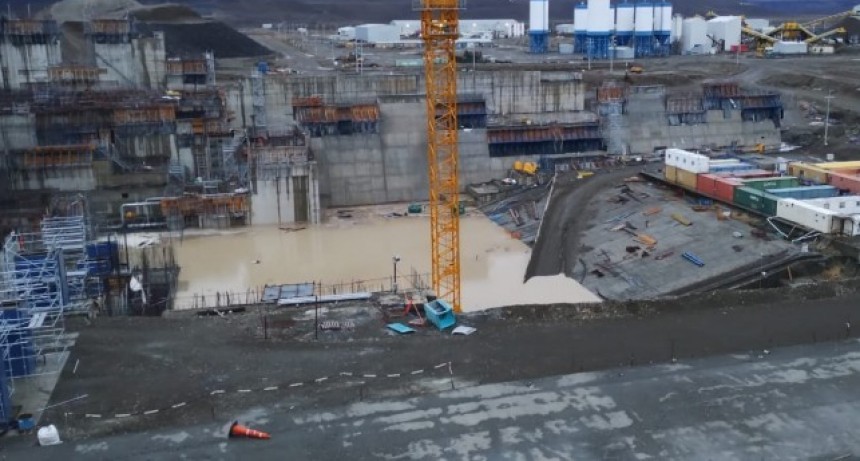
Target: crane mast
(440, 31)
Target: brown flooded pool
(347, 250)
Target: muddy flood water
(362, 248)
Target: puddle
(344, 251)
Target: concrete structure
(28, 48)
(650, 124)
(377, 33)
(539, 26)
(694, 34)
(726, 30)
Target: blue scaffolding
(580, 42)
(643, 45)
(539, 41)
(597, 46)
(662, 43)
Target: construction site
(210, 232)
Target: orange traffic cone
(238, 430)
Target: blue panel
(597, 46)
(539, 41)
(5, 400)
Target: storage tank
(539, 26)
(644, 29)
(539, 15)
(662, 27)
(694, 34)
(624, 23)
(677, 27)
(580, 26)
(600, 25)
(726, 29)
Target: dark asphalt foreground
(801, 402)
(135, 365)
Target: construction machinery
(439, 32)
(788, 32)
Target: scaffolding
(610, 99)
(36, 288)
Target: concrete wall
(646, 127)
(506, 92)
(17, 131)
(275, 199)
(151, 55)
(119, 60)
(25, 64)
(61, 179)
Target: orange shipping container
(671, 174)
(686, 179)
(845, 182)
(719, 187)
(808, 172)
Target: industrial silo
(662, 27)
(539, 26)
(600, 25)
(624, 23)
(580, 25)
(643, 35)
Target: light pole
(827, 117)
(395, 259)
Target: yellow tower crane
(440, 31)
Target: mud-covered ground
(133, 365)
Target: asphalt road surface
(792, 403)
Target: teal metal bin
(440, 313)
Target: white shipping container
(808, 215)
(822, 49)
(686, 160)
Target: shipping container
(854, 165)
(809, 215)
(671, 174)
(756, 200)
(845, 182)
(808, 172)
(750, 174)
(805, 193)
(718, 187)
(686, 179)
(763, 184)
(690, 161)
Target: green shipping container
(756, 200)
(772, 183)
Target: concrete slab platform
(631, 275)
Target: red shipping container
(845, 182)
(718, 187)
(725, 188)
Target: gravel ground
(129, 365)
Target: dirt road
(556, 249)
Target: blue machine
(440, 313)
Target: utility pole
(827, 117)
